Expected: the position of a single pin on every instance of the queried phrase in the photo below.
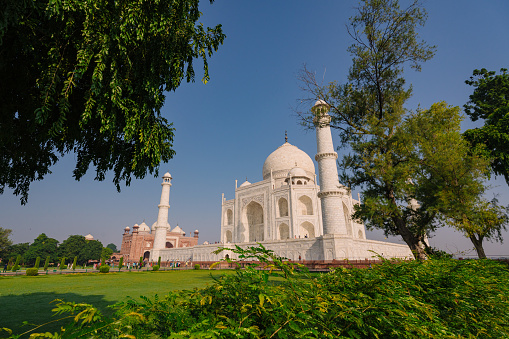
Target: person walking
(5, 268)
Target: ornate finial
(246, 178)
(286, 136)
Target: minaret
(330, 192)
(162, 217)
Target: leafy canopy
(88, 77)
(490, 102)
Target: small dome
(127, 228)
(245, 183)
(144, 228)
(320, 103)
(177, 229)
(286, 157)
(205, 242)
(89, 237)
(297, 172)
(136, 226)
(167, 175)
(196, 231)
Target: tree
(5, 242)
(490, 102)
(73, 246)
(369, 111)
(93, 250)
(106, 253)
(78, 246)
(18, 249)
(451, 176)
(42, 247)
(89, 77)
(113, 247)
(484, 220)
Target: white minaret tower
(330, 191)
(162, 217)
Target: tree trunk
(416, 243)
(478, 246)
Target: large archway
(228, 236)
(305, 206)
(307, 230)
(146, 255)
(283, 207)
(229, 217)
(284, 231)
(253, 218)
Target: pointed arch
(283, 207)
(284, 231)
(305, 206)
(228, 236)
(307, 229)
(253, 217)
(229, 217)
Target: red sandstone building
(140, 241)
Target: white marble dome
(89, 237)
(297, 172)
(286, 157)
(167, 175)
(144, 228)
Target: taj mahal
(289, 212)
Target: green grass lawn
(25, 298)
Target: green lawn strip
(29, 299)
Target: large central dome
(286, 157)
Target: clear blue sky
(226, 129)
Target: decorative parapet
(326, 155)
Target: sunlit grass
(29, 299)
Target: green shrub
(141, 263)
(74, 263)
(159, 262)
(155, 268)
(62, 263)
(46, 263)
(37, 262)
(32, 271)
(121, 263)
(104, 269)
(16, 267)
(430, 299)
(196, 266)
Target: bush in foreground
(32, 271)
(432, 299)
(196, 266)
(155, 268)
(104, 269)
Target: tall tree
(43, 246)
(490, 102)
(5, 242)
(106, 253)
(450, 177)
(18, 249)
(369, 110)
(89, 77)
(112, 247)
(92, 251)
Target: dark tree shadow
(35, 308)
